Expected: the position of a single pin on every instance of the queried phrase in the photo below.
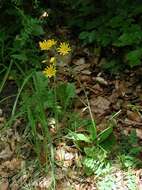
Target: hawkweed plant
(41, 102)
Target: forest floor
(115, 98)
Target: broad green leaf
(38, 30)
(109, 143)
(65, 92)
(91, 151)
(70, 90)
(134, 57)
(20, 57)
(82, 137)
(84, 35)
(105, 134)
(79, 137)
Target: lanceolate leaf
(79, 137)
(105, 134)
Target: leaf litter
(106, 95)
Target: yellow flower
(47, 44)
(50, 71)
(64, 48)
(53, 60)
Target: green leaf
(83, 35)
(82, 137)
(131, 37)
(134, 57)
(70, 90)
(109, 143)
(90, 126)
(91, 151)
(105, 134)
(65, 92)
(93, 131)
(20, 57)
(89, 165)
(38, 30)
(79, 137)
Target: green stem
(6, 76)
(19, 93)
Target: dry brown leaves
(10, 162)
(106, 95)
(67, 156)
(100, 105)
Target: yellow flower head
(53, 60)
(64, 48)
(47, 44)
(50, 71)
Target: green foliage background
(113, 25)
(20, 29)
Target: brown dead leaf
(6, 153)
(131, 123)
(14, 164)
(2, 119)
(14, 186)
(4, 185)
(7, 168)
(80, 68)
(139, 133)
(96, 89)
(113, 98)
(86, 72)
(121, 87)
(66, 155)
(85, 78)
(64, 185)
(139, 179)
(1, 112)
(43, 183)
(134, 116)
(80, 61)
(85, 186)
(99, 105)
(95, 61)
(64, 158)
(101, 80)
(127, 130)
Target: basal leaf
(105, 134)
